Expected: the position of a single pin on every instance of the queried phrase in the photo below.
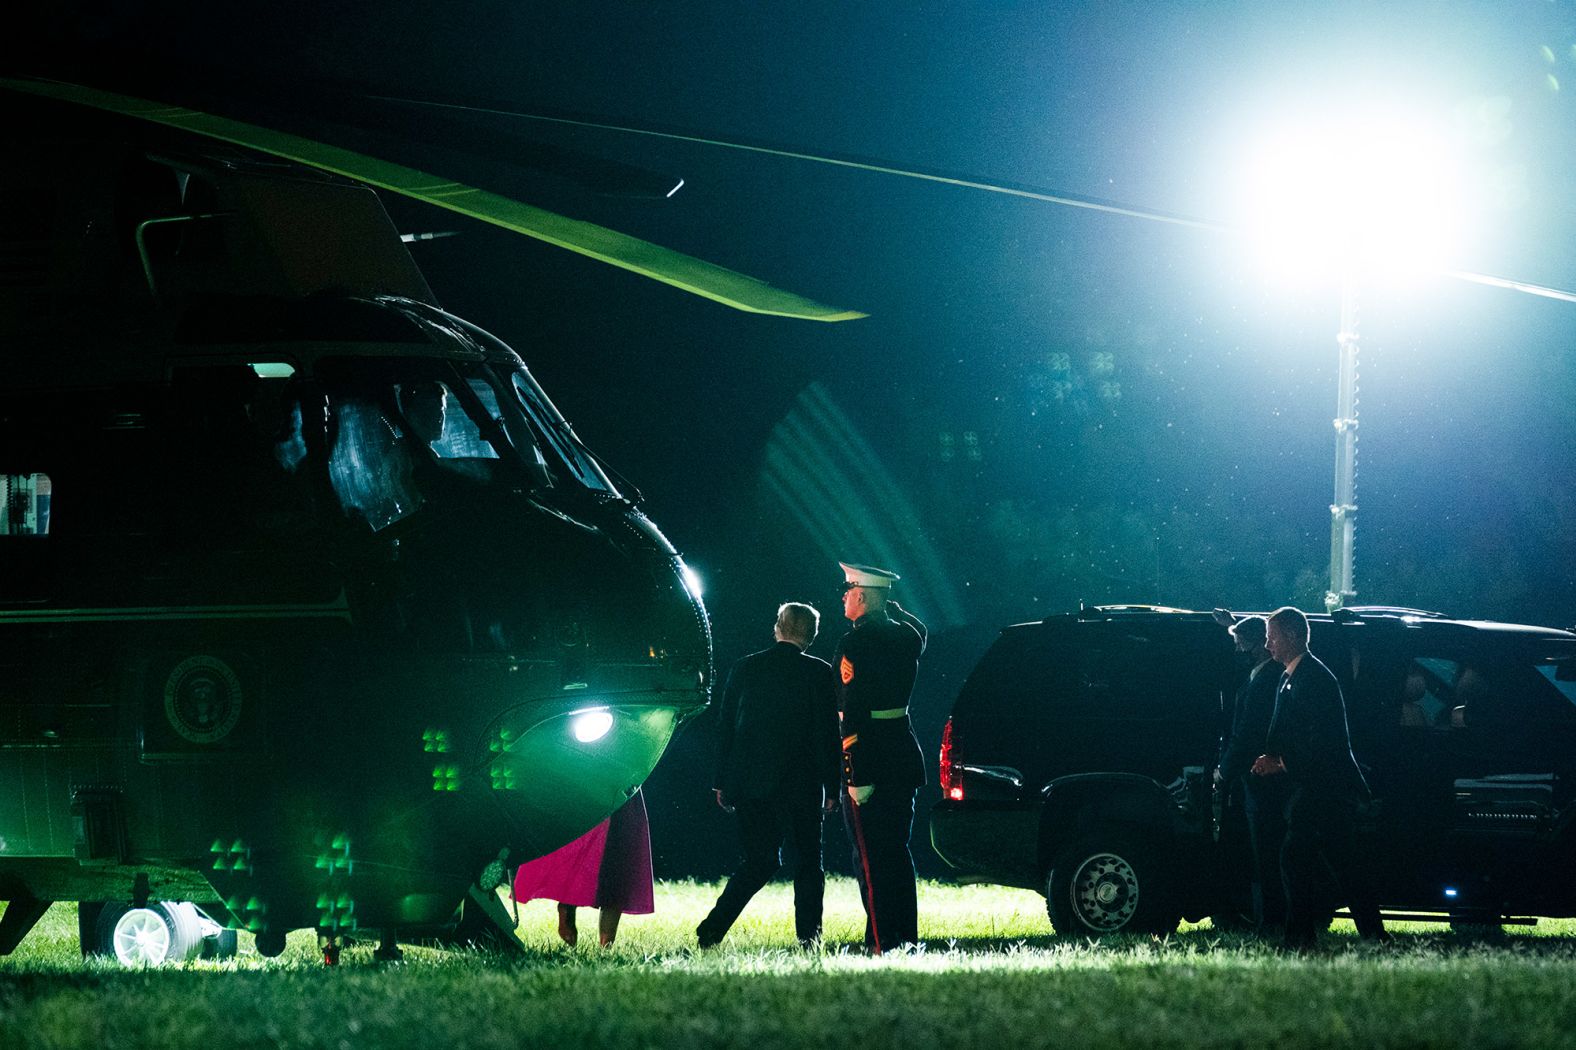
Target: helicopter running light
(591, 726)
(1378, 196)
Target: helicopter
(315, 613)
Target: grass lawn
(991, 974)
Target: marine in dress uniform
(1310, 745)
(876, 663)
(777, 770)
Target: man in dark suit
(877, 662)
(777, 769)
(1309, 745)
(1263, 798)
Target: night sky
(1050, 404)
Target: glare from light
(1450, 891)
(1377, 195)
(273, 369)
(591, 726)
(691, 580)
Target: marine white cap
(868, 576)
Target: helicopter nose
(558, 776)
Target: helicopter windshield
(403, 430)
(555, 433)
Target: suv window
(1514, 695)
(1562, 676)
(1026, 670)
(1458, 690)
(1428, 692)
(1132, 676)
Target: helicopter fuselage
(313, 609)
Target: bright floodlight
(1374, 195)
(591, 726)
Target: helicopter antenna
(1046, 196)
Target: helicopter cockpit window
(439, 421)
(557, 436)
(411, 435)
(24, 504)
(371, 464)
(522, 437)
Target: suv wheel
(1106, 884)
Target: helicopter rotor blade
(963, 182)
(1542, 291)
(670, 267)
(875, 167)
(512, 162)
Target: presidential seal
(202, 699)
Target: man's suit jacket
(1250, 722)
(778, 731)
(1309, 733)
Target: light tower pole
(1343, 511)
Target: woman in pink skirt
(609, 868)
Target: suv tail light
(951, 780)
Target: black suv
(1078, 756)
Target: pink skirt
(607, 867)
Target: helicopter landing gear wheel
(152, 935)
